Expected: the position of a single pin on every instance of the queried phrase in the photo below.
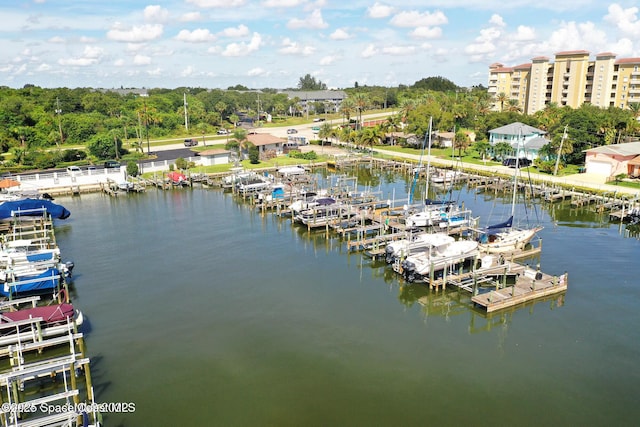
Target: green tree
(461, 142)
(502, 98)
(310, 83)
(483, 148)
(501, 150)
(132, 168)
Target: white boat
(322, 215)
(418, 242)
(438, 257)
(444, 177)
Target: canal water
(203, 312)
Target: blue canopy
(508, 223)
(32, 207)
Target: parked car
(111, 164)
(72, 170)
(190, 142)
(290, 131)
(511, 162)
(223, 132)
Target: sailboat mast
(426, 190)
(515, 174)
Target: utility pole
(58, 112)
(186, 117)
(564, 136)
(146, 127)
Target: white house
(214, 156)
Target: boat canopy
(508, 223)
(32, 207)
(50, 313)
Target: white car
(72, 170)
(222, 132)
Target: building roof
(214, 152)
(259, 139)
(522, 66)
(517, 128)
(315, 95)
(634, 161)
(603, 54)
(626, 149)
(628, 61)
(536, 143)
(572, 52)
(540, 58)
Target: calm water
(205, 313)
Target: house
(525, 140)
(268, 145)
(306, 98)
(442, 139)
(215, 156)
(393, 138)
(614, 159)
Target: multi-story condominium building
(572, 80)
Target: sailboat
(433, 211)
(504, 237)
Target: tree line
(43, 128)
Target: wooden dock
(529, 286)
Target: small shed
(214, 156)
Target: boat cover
(32, 207)
(50, 313)
(39, 283)
(508, 223)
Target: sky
(273, 43)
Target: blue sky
(272, 43)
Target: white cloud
(141, 60)
(417, 19)
(340, 34)
(90, 55)
(191, 17)
(243, 49)
(427, 33)
(497, 21)
(313, 21)
(282, 3)
(188, 71)
(399, 50)
(119, 62)
(56, 39)
(43, 67)
(235, 32)
(625, 20)
(155, 72)
(217, 3)
(525, 33)
(369, 51)
(199, 35)
(379, 10)
(134, 34)
(289, 47)
(256, 72)
(156, 14)
(329, 59)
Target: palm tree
(361, 102)
(502, 98)
(502, 149)
(482, 148)
(513, 106)
(347, 108)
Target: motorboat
(400, 249)
(36, 323)
(438, 257)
